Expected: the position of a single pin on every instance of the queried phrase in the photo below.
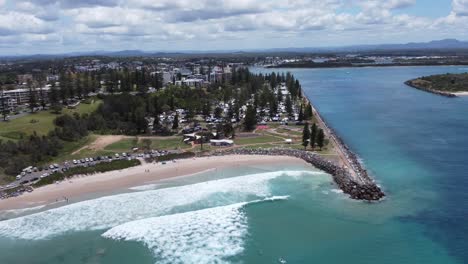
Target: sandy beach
(461, 93)
(136, 176)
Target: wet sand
(147, 173)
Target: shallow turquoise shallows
(414, 143)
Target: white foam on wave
(145, 187)
(204, 236)
(114, 210)
(5, 214)
(337, 191)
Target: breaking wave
(205, 236)
(110, 211)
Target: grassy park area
(159, 143)
(41, 122)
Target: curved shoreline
(441, 93)
(82, 186)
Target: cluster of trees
(36, 149)
(266, 95)
(313, 136)
(15, 156)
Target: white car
(75, 162)
(18, 177)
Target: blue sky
(57, 26)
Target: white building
(21, 96)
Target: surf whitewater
(364, 189)
(110, 211)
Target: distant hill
(436, 45)
(445, 44)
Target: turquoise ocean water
(416, 145)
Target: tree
(320, 138)
(250, 118)
(301, 114)
(206, 109)
(218, 112)
(32, 99)
(156, 122)
(289, 105)
(313, 136)
(305, 136)
(175, 123)
(308, 112)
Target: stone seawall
(367, 190)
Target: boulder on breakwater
(366, 190)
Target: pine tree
(301, 114)
(313, 136)
(320, 138)
(175, 124)
(250, 118)
(305, 136)
(308, 112)
(289, 105)
(32, 99)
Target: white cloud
(12, 23)
(460, 7)
(152, 24)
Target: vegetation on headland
(81, 170)
(441, 83)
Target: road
(34, 176)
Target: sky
(62, 26)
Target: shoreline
(436, 92)
(351, 177)
(107, 182)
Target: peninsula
(449, 85)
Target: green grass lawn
(41, 122)
(289, 132)
(256, 140)
(127, 144)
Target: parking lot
(32, 174)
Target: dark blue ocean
(415, 145)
